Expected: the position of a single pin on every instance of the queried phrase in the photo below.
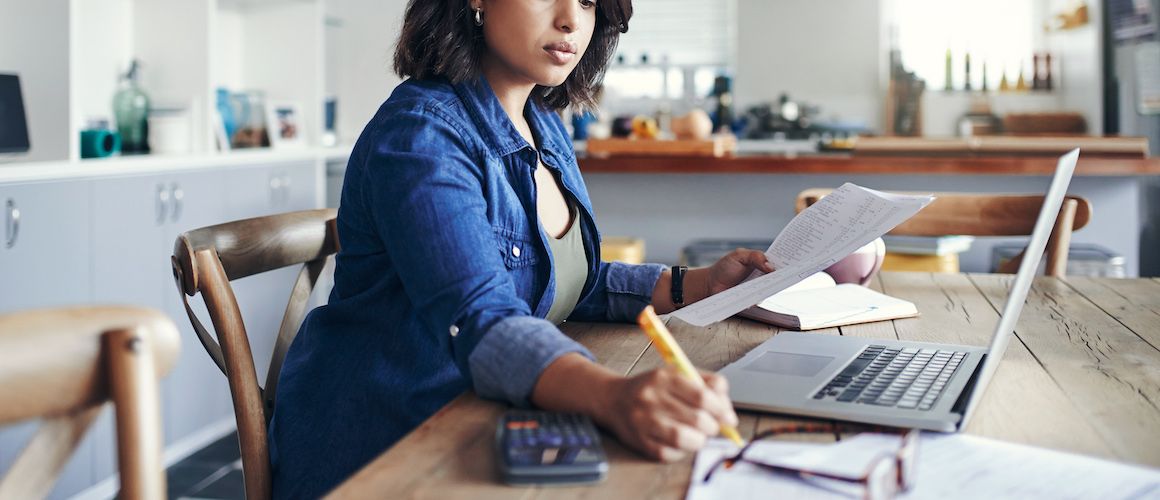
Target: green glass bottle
(131, 109)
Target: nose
(568, 15)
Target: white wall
(1080, 77)
(34, 43)
(102, 56)
(823, 52)
(359, 65)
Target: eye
(588, 4)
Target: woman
(467, 235)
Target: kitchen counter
(14, 171)
(844, 163)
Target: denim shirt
(442, 283)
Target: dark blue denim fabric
(441, 285)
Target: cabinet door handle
(178, 197)
(12, 224)
(275, 190)
(285, 189)
(162, 204)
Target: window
(670, 47)
(999, 33)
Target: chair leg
(134, 391)
(1059, 243)
(37, 467)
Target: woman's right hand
(664, 415)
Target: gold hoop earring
(479, 17)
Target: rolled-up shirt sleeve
(619, 293)
(508, 361)
(427, 202)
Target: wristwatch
(677, 289)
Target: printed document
(949, 466)
(829, 230)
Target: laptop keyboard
(907, 378)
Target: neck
(512, 93)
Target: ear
(475, 4)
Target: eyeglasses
(885, 476)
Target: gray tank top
(571, 266)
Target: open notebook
(818, 302)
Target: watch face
(677, 286)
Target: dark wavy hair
(440, 38)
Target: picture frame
(284, 125)
(221, 137)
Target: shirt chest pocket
(517, 250)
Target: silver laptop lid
(1027, 269)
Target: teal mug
(99, 143)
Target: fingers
(712, 397)
(754, 259)
(716, 382)
(669, 433)
(659, 451)
(666, 415)
(696, 418)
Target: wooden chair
(63, 365)
(205, 260)
(978, 214)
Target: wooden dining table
(1081, 376)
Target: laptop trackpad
(784, 363)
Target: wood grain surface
(1081, 375)
(847, 164)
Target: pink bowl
(860, 266)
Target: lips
(561, 52)
(567, 47)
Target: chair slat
(50, 359)
(62, 364)
(204, 261)
(36, 470)
(987, 215)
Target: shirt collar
(495, 127)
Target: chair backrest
(978, 214)
(204, 261)
(62, 365)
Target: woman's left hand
(735, 267)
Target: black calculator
(539, 447)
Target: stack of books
(932, 254)
(928, 245)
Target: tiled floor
(214, 472)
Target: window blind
(689, 32)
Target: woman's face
(535, 41)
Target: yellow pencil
(674, 356)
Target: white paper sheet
(837, 225)
(949, 466)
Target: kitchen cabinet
(107, 240)
(44, 262)
(136, 220)
(262, 298)
(44, 255)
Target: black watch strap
(678, 287)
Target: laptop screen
(13, 125)
(1027, 269)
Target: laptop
(889, 382)
(13, 126)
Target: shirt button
(454, 330)
(515, 251)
